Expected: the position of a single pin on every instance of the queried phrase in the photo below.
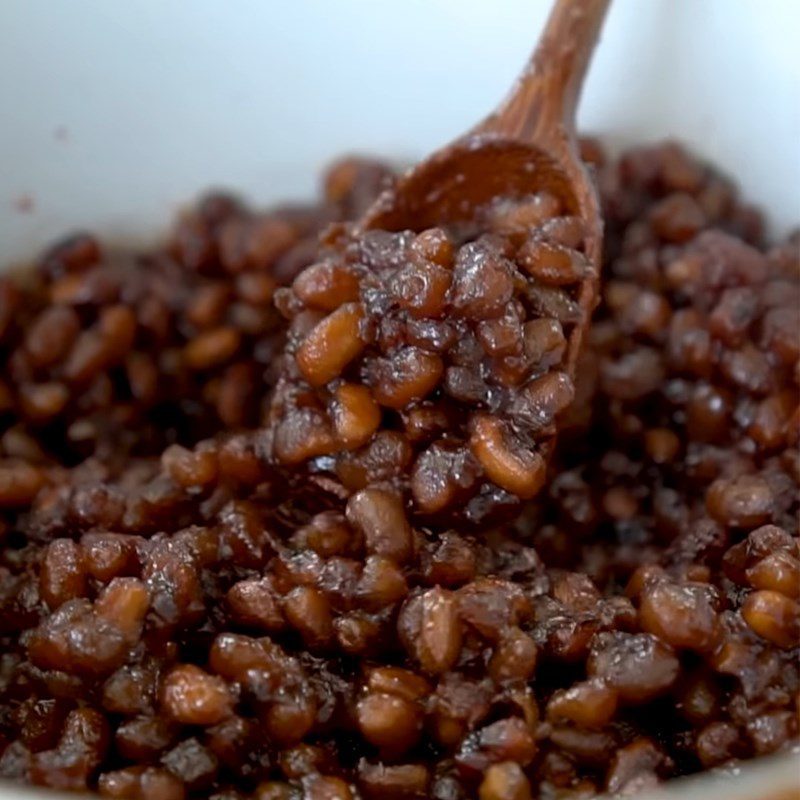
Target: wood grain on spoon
(528, 144)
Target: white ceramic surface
(113, 113)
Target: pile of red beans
(282, 518)
(434, 361)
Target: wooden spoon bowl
(527, 145)
(449, 316)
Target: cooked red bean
(389, 721)
(430, 629)
(505, 781)
(681, 615)
(331, 345)
(773, 616)
(638, 666)
(590, 704)
(379, 516)
(194, 697)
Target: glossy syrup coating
(450, 344)
(186, 616)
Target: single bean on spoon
(527, 145)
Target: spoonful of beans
(433, 344)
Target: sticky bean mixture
(435, 361)
(296, 571)
(115, 354)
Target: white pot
(114, 113)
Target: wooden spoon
(527, 145)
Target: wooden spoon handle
(542, 103)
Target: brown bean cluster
(108, 353)
(292, 605)
(434, 362)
